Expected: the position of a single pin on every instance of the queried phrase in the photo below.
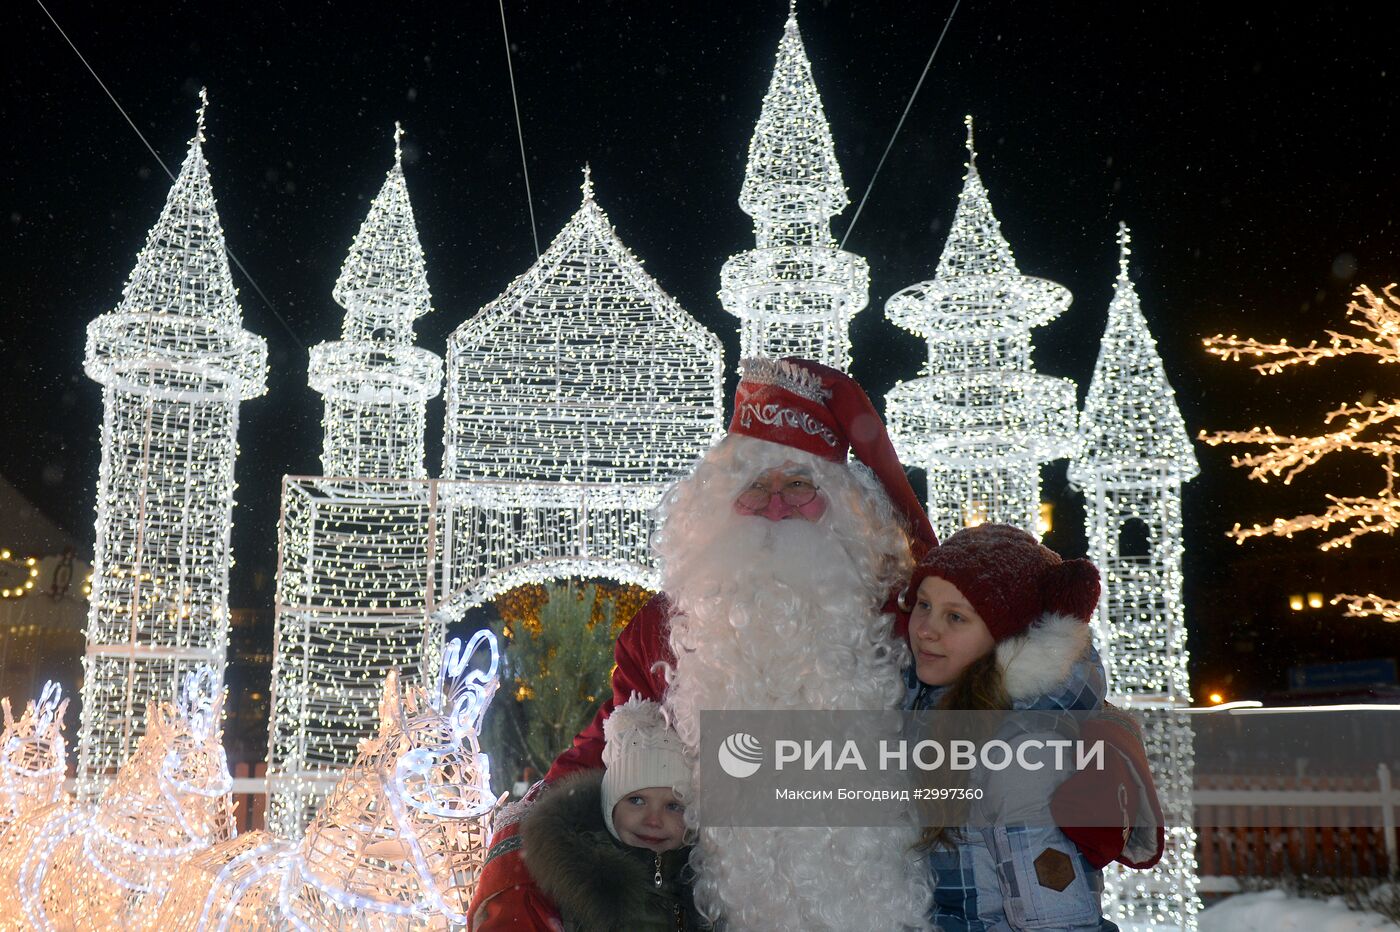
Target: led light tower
(1135, 457)
(174, 363)
(352, 574)
(375, 381)
(796, 292)
(980, 420)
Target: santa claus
(778, 557)
(780, 561)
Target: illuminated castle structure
(375, 381)
(174, 363)
(980, 420)
(1135, 456)
(573, 400)
(795, 292)
(351, 579)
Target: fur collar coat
(598, 883)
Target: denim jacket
(1012, 869)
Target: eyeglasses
(795, 493)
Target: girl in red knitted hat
(1000, 623)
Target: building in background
(45, 578)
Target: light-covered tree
(1370, 427)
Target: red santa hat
(823, 411)
(1009, 578)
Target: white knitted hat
(640, 750)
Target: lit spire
(175, 362)
(791, 146)
(587, 186)
(796, 292)
(975, 243)
(183, 267)
(1124, 250)
(1130, 412)
(384, 281)
(374, 379)
(199, 118)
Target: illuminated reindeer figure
(397, 845)
(33, 759)
(97, 866)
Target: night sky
(1253, 154)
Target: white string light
(794, 294)
(573, 399)
(174, 364)
(980, 420)
(400, 842)
(1134, 458)
(376, 383)
(107, 864)
(352, 575)
(33, 757)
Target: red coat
(507, 899)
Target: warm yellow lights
(28, 567)
(1295, 602)
(1046, 521)
(1366, 427)
(1216, 698)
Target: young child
(1000, 622)
(608, 846)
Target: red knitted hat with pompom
(1009, 578)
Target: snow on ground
(1275, 911)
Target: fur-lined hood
(597, 882)
(1049, 657)
(1052, 665)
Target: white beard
(775, 615)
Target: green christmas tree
(558, 659)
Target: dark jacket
(598, 883)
